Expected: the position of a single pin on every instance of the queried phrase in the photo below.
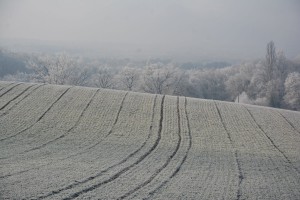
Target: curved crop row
(30, 111)
(281, 134)
(14, 95)
(261, 162)
(210, 165)
(14, 102)
(4, 84)
(62, 142)
(146, 128)
(8, 88)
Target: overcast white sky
(205, 28)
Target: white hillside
(63, 142)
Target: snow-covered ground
(63, 142)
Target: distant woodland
(272, 81)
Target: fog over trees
(273, 81)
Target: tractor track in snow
(5, 86)
(118, 174)
(54, 140)
(73, 155)
(99, 174)
(182, 161)
(18, 133)
(10, 89)
(17, 103)
(272, 142)
(237, 159)
(109, 132)
(185, 149)
(149, 180)
(6, 104)
(288, 121)
(68, 131)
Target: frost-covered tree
(210, 84)
(292, 90)
(55, 69)
(40, 65)
(181, 85)
(270, 61)
(129, 78)
(103, 78)
(58, 69)
(157, 80)
(238, 82)
(80, 76)
(262, 82)
(166, 80)
(267, 82)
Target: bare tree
(103, 79)
(80, 76)
(157, 80)
(129, 78)
(180, 85)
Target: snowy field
(62, 142)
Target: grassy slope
(62, 142)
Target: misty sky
(225, 29)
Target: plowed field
(63, 142)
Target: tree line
(273, 81)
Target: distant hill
(63, 142)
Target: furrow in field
(68, 131)
(57, 138)
(106, 144)
(84, 149)
(29, 111)
(291, 117)
(241, 176)
(8, 89)
(16, 173)
(210, 162)
(260, 161)
(183, 160)
(159, 170)
(283, 137)
(114, 166)
(109, 132)
(17, 101)
(121, 171)
(15, 96)
(38, 119)
(58, 122)
(4, 84)
(62, 116)
(64, 112)
(95, 125)
(162, 161)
